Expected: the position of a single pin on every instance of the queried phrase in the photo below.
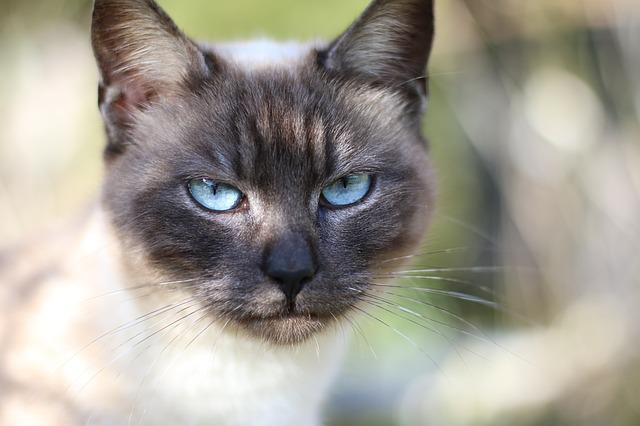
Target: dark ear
(389, 43)
(142, 56)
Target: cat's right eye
(214, 196)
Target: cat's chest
(225, 379)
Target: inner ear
(143, 57)
(118, 105)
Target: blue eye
(215, 196)
(347, 190)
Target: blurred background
(523, 307)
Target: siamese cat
(252, 193)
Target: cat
(252, 193)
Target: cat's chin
(285, 329)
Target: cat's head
(273, 190)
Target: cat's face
(275, 193)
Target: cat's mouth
(287, 316)
(285, 328)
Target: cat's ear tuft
(142, 56)
(389, 43)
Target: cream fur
(179, 376)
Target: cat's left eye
(347, 190)
(218, 197)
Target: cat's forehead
(268, 73)
(262, 53)
(297, 117)
(271, 122)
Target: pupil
(345, 182)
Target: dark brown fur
(279, 134)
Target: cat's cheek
(408, 238)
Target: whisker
(224, 326)
(425, 76)
(447, 293)
(426, 327)
(149, 315)
(169, 325)
(201, 332)
(462, 296)
(441, 309)
(142, 286)
(399, 333)
(482, 337)
(118, 356)
(410, 312)
(478, 269)
(157, 358)
(470, 284)
(356, 327)
(428, 253)
(472, 228)
(315, 339)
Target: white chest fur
(232, 380)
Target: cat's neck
(179, 367)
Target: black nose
(290, 263)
